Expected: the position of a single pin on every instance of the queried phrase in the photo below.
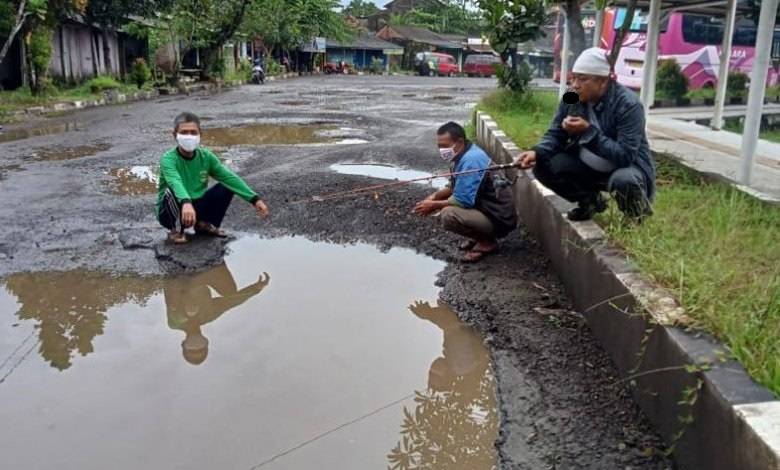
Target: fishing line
(378, 187)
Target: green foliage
(702, 93)
(115, 13)
(102, 83)
(449, 17)
(510, 22)
(7, 13)
(285, 24)
(737, 83)
(670, 81)
(515, 81)
(377, 65)
(360, 8)
(773, 91)
(40, 49)
(139, 72)
(272, 67)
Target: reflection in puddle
(48, 154)
(316, 365)
(133, 181)
(19, 134)
(265, 134)
(387, 172)
(294, 103)
(455, 419)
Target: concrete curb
(119, 98)
(734, 423)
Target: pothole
(442, 97)
(266, 134)
(294, 103)
(388, 172)
(6, 169)
(133, 181)
(338, 357)
(68, 153)
(19, 134)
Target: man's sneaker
(585, 210)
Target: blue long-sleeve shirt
(465, 188)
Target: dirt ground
(560, 405)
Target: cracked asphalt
(561, 406)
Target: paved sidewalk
(717, 152)
(706, 112)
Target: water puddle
(292, 354)
(266, 134)
(388, 172)
(442, 97)
(294, 103)
(133, 181)
(5, 169)
(19, 134)
(51, 154)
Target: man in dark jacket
(597, 144)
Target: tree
(621, 34)
(24, 9)
(285, 24)
(450, 16)
(360, 8)
(510, 22)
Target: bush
(272, 67)
(736, 87)
(139, 72)
(377, 65)
(217, 68)
(395, 68)
(670, 81)
(515, 81)
(102, 83)
(702, 93)
(773, 91)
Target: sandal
(210, 230)
(476, 253)
(467, 245)
(178, 238)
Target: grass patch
(15, 100)
(713, 246)
(772, 135)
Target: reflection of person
(464, 359)
(595, 145)
(190, 305)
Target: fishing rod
(378, 187)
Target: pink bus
(693, 40)
(690, 39)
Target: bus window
(639, 23)
(702, 29)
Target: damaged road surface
(340, 334)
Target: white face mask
(188, 143)
(447, 154)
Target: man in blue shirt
(477, 205)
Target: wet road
(79, 200)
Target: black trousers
(575, 181)
(211, 208)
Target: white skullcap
(592, 61)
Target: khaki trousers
(470, 223)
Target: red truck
(481, 65)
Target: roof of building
(363, 42)
(420, 35)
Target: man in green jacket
(184, 199)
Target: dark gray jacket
(621, 139)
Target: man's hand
(575, 125)
(526, 159)
(426, 207)
(262, 209)
(188, 215)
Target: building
(415, 40)
(361, 52)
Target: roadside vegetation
(710, 244)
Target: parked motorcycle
(258, 74)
